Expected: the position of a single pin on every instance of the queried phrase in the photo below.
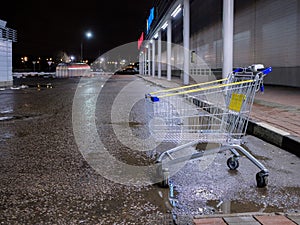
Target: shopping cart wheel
(262, 179)
(233, 163)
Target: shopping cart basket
(211, 112)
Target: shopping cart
(211, 112)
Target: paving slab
(295, 218)
(245, 220)
(209, 221)
(276, 219)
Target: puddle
(5, 135)
(258, 157)
(18, 117)
(205, 146)
(130, 124)
(4, 118)
(6, 111)
(284, 201)
(225, 207)
(135, 124)
(208, 202)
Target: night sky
(45, 28)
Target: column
(169, 49)
(153, 58)
(228, 14)
(145, 61)
(186, 41)
(149, 59)
(159, 55)
(140, 63)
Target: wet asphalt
(49, 176)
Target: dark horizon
(46, 30)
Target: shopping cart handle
(238, 70)
(154, 99)
(267, 71)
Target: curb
(275, 136)
(4, 84)
(246, 214)
(264, 131)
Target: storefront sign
(140, 41)
(150, 19)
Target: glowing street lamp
(88, 35)
(49, 61)
(33, 62)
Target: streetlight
(33, 62)
(49, 61)
(87, 35)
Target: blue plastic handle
(268, 70)
(238, 70)
(154, 99)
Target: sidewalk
(280, 107)
(275, 115)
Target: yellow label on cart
(236, 102)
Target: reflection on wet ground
(45, 179)
(217, 190)
(238, 207)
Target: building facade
(263, 31)
(67, 70)
(7, 37)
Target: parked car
(126, 71)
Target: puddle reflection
(226, 207)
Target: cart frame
(210, 112)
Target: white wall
(5, 62)
(265, 31)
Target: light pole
(49, 63)
(87, 35)
(33, 62)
